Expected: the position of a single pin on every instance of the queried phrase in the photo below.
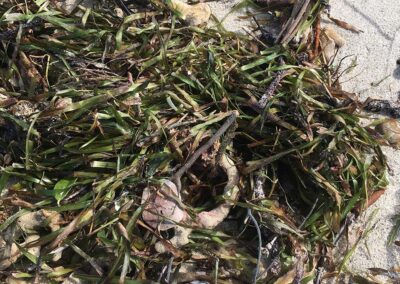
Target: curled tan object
(194, 15)
(29, 224)
(33, 250)
(328, 47)
(210, 219)
(390, 130)
(206, 219)
(14, 280)
(8, 256)
(334, 35)
(180, 239)
(53, 219)
(162, 210)
(32, 221)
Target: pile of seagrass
(137, 149)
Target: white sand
(375, 52)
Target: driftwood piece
(298, 16)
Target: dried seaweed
(98, 109)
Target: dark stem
(230, 134)
(383, 107)
(259, 245)
(270, 92)
(176, 178)
(12, 33)
(121, 4)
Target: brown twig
(345, 25)
(317, 27)
(69, 229)
(294, 22)
(268, 116)
(122, 6)
(371, 200)
(16, 201)
(176, 178)
(230, 134)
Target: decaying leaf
(328, 47)
(6, 101)
(23, 108)
(390, 130)
(287, 278)
(28, 225)
(62, 103)
(345, 25)
(332, 34)
(194, 15)
(30, 75)
(210, 219)
(67, 6)
(162, 210)
(330, 40)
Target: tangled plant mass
(171, 152)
